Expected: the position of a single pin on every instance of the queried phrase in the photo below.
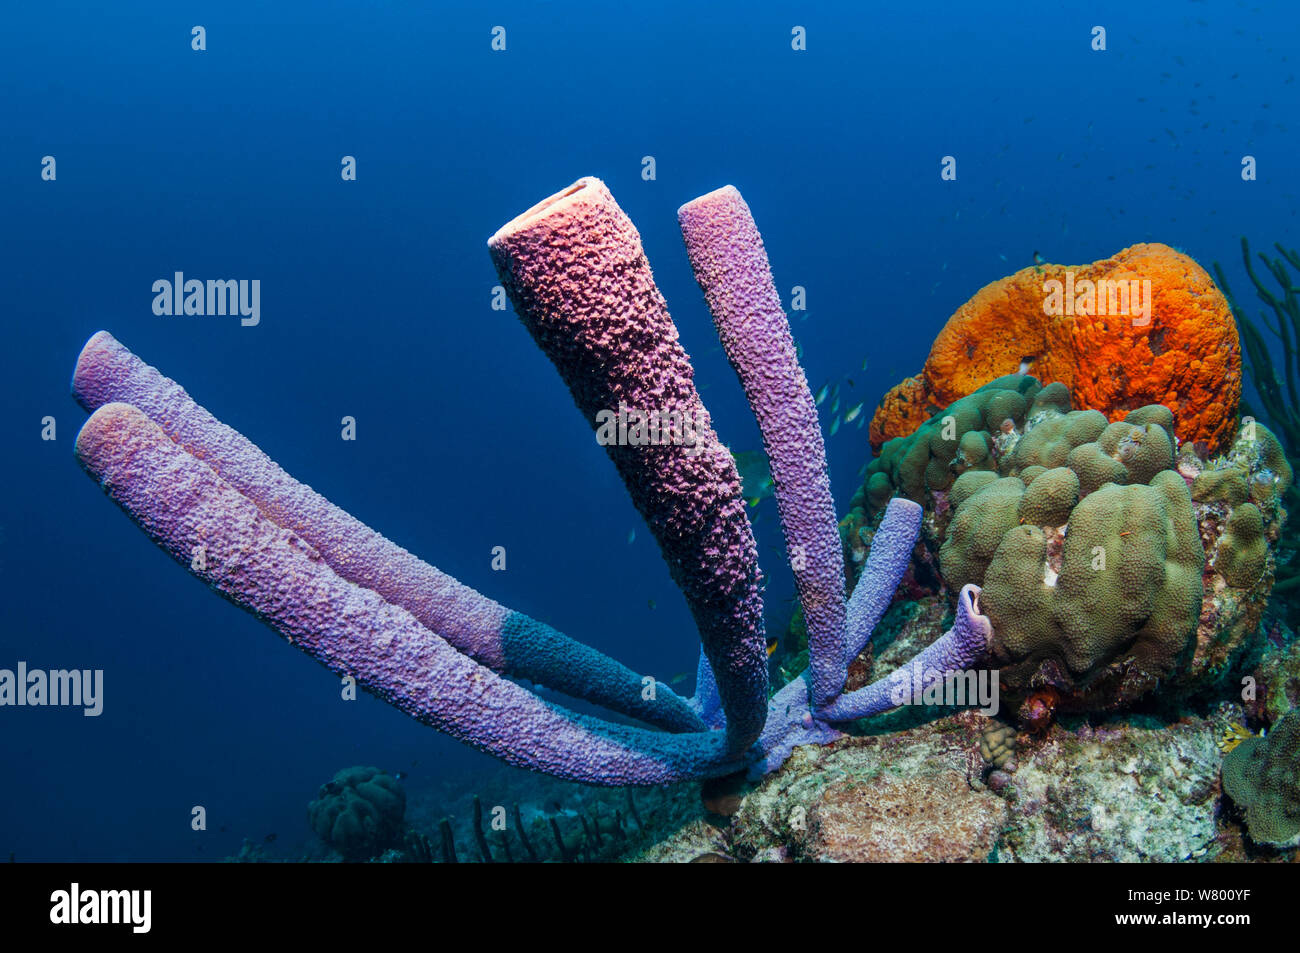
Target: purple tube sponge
(576, 272)
(225, 539)
(791, 722)
(505, 641)
(430, 646)
(706, 702)
(731, 266)
(891, 551)
(956, 650)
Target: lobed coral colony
(1262, 775)
(1109, 563)
(1065, 495)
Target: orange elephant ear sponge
(1183, 353)
(901, 411)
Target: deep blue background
(375, 303)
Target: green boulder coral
(1221, 486)
(359, 813)
(1242, 551)
(1262, 775)
(1105, 576)
(1054, 435)
(1116, 611)
(971, 435)
(1050, 498)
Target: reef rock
(903, 797)
(1131, 790)
(1120, 793)
(1276, 677)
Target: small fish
(853, 412)
(835, 405)
(861, 421)
(798, 350)
(631, 535)
(679, 678)
(864, 363)
(651, 603)
(771, 646)
(270, 838)
(821, 394)
(835, 426)
(755, 475)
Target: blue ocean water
(376, 304)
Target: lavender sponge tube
(731, 266)
(954, 651)
(505, 641)
(227, 541)
(577, 275)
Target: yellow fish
(771, 646)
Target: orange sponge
(1157, 331)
